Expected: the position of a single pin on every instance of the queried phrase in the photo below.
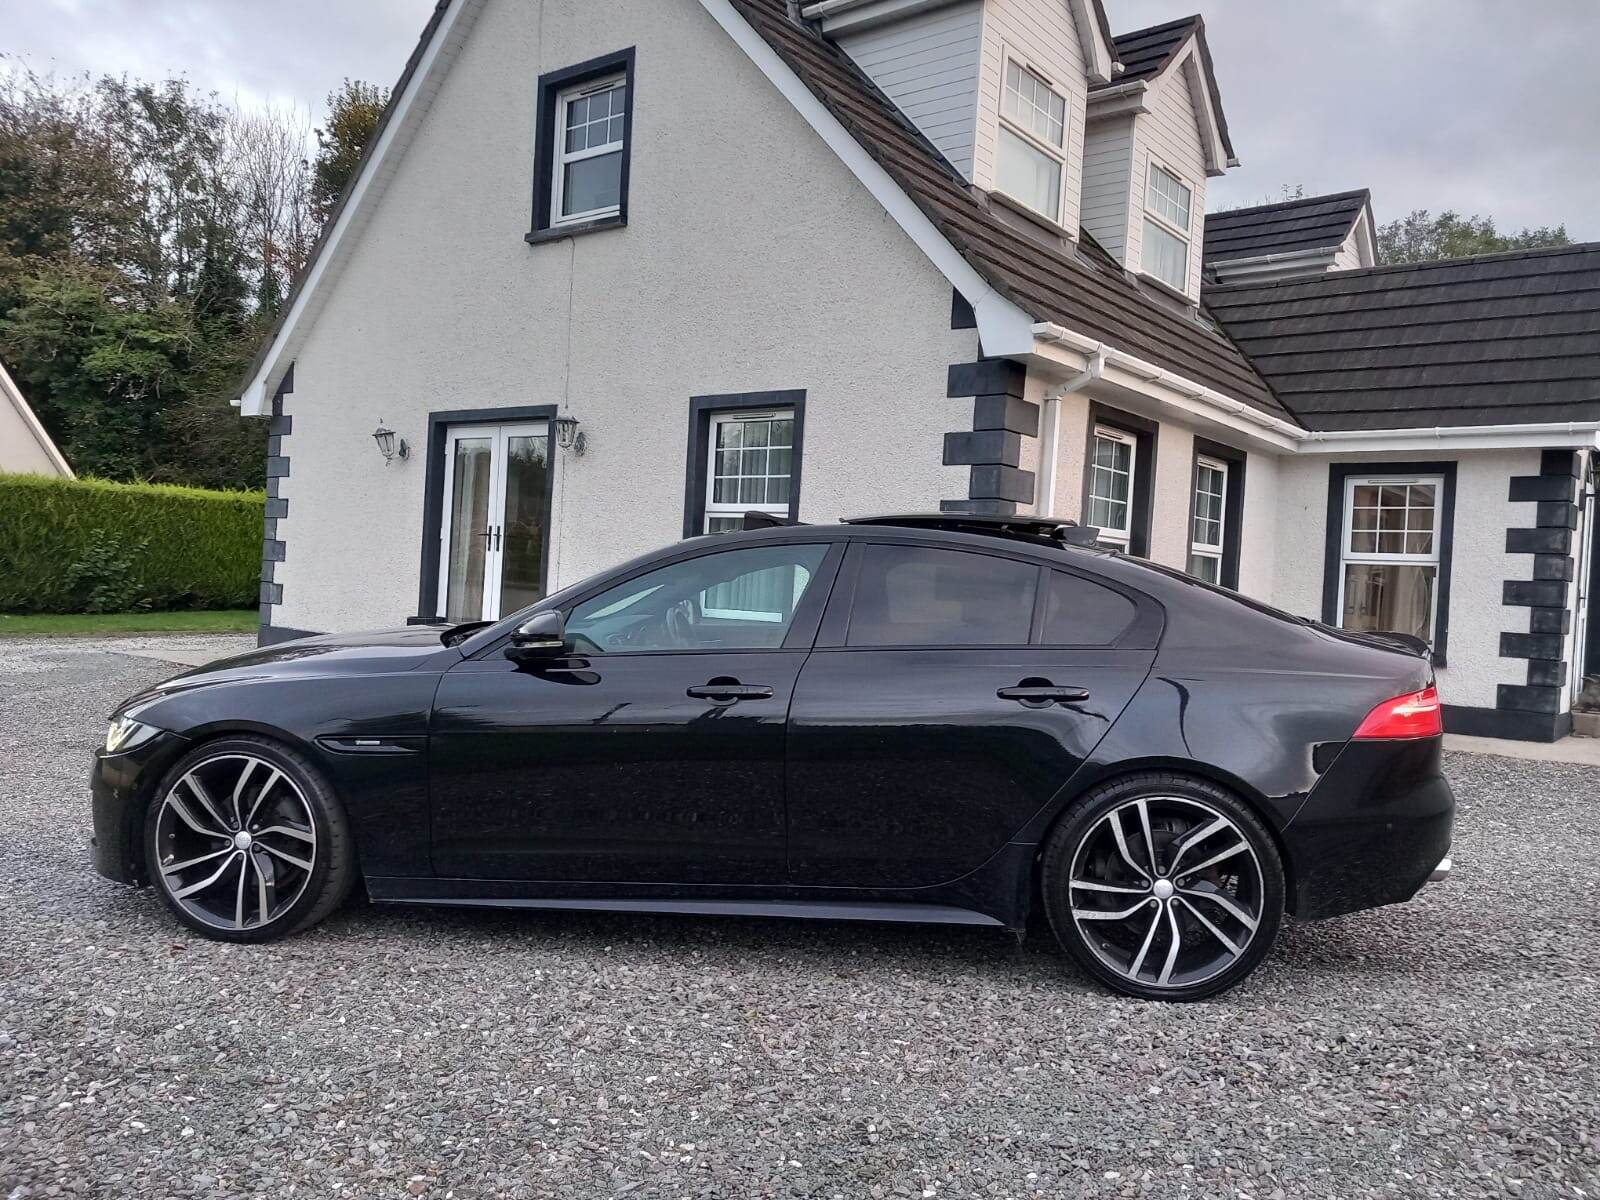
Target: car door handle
(1039, 695)
(726, 693)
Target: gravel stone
(1446, 1047)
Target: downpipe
(1044, 494)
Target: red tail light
(1414, 715)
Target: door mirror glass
(542, 635)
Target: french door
(496, 520)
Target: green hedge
(84, 545)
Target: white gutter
(1044, 496)
(1208, 401)
(1452, 437)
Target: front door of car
(959, 693)
(653, 751)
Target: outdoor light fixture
(568, 437)
(387, 446)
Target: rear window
(1080, 613)
(915, 596)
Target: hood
(371, 653)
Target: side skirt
(393, 891)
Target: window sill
(1163, 286)
(558, 233)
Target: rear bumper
(119, 787)
(1376, 827)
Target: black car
(922, 718)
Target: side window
(735, 600)
(1080, 613)
(913, 596)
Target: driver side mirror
(543, 635)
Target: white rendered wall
(753, 260)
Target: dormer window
(1167, 215)
(1032, 139)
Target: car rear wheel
(246, 841)
(1163, 886)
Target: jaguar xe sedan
(918, 718)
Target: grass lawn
(242, 620)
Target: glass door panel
(525, 521)
(496, 520)
(468, 533)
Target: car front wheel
(246, 841)
(1163, 886)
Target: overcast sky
(1476, 105)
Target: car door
(653, 752)
(952, 693)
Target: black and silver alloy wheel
(238, 842)
(245, 841)
(1172, 892)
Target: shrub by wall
(84, 545)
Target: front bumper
(120, 786)
(1374, 830)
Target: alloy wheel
(236, 842)
(1166, 891)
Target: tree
(353, 111)
(1422, 237)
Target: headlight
(125, 733)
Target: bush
(85, 545)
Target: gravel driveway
(1447, 1047)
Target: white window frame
(1163, 222)
(561, 157)
(733, 508)
(1208, 550)
(1116, 537)
(1058, 153)
(1349, 557)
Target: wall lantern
(388, 445)
(568, 436)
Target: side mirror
(543, 635)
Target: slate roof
(1073, 288)
(1146, 53)
(1314, 223)
(1498, 339)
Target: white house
(25, 447)
(615, 273)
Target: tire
(1118, 914)
(283, 867)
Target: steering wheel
(680, 622)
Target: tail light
(1414, 715)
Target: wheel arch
(1086, 779)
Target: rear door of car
(953, 691)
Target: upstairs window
(585, 130)
(588, 176)
(1168, 212)
(1030, 155)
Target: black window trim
(1145, 434)
(1338, 474)
(551, 85)
(1232, 506)
(698, 457)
